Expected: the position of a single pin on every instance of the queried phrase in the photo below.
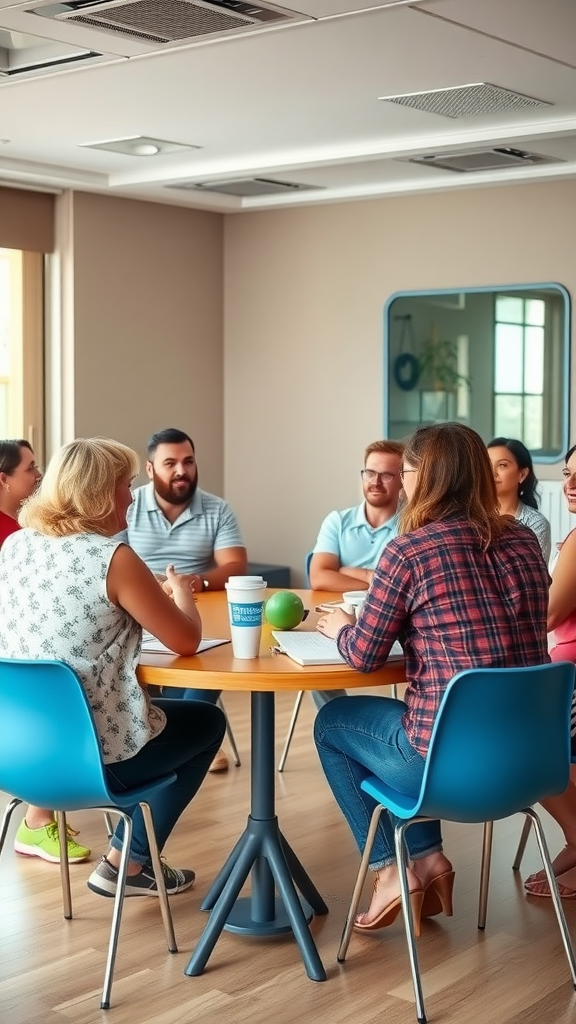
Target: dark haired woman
(460, 587)
(516, 485)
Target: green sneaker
(44, 842)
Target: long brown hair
(455, 477)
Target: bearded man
(172, 522)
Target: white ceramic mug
(353, 601)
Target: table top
(218, 669)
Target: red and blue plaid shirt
(452, 606)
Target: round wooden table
(261, 849)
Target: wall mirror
(495, 358)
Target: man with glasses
(350, 543)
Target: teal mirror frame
(409, 369)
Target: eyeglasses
(371, 476)
(405, 470)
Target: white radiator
(553, 506)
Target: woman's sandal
(438, 895)
(389, 914)
(540, 887)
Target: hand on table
(331, 624)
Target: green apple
(284, 610)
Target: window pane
(508, 362)
(534, 360)
(535, 312)
(509, 309)
(533, 433)
(508, 416)
(502, 356)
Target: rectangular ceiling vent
(244, 187)
(483, 160)
(22, 55)
(467, 100)
(167, 21)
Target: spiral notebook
(311, 648)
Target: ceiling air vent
(466, 100)
(483, 160)
(244, 187)
(167, 21)
(22, 55)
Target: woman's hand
(331, 624)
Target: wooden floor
(51, 970)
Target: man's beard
(172, 496)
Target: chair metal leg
(108, 824)
(117, 911)
(358, 885)
(291, 728)
(545, 854)
(10, 807)
(401, 860)
(394, 690)
(159, 875)
(522, 844)
(485, 873)
(64, 865)
(230, 734)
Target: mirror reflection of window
(496, 359)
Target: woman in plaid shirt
(460, 587)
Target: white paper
(150, 645)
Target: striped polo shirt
(208, 524)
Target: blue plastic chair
(60, 766)
(499, 744)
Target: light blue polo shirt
(207, 525)
(349, 535)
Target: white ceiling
(297, 103)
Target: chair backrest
(307, 561)
(50, 754)
(501, 741)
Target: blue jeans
(362, 736)
(187, 745)
(177, 693)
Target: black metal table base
(262, 851)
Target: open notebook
(314, 649)
(150, 645)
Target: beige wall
(304, 297)
(147, 324)
(282, 408)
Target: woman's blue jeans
(186, 746)
(361, 736)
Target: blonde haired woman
(70, 590)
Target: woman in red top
(37, 835)
(562, 622)
(19, 476)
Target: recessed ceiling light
(145, 149)
(140, 145)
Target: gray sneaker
(104, 880)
